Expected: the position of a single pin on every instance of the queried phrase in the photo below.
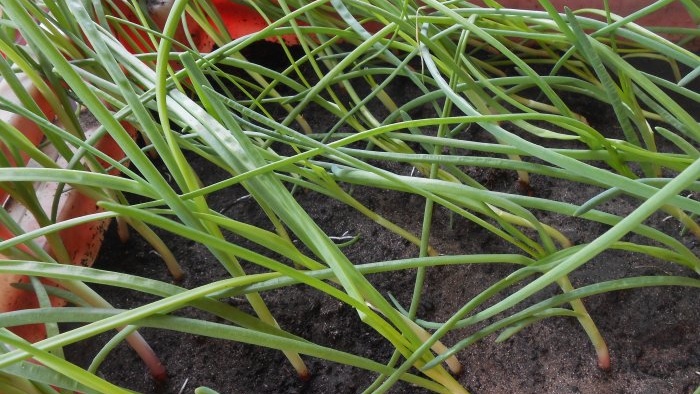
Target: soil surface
(652, 333)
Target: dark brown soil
(652, 333)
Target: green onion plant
(505, 71)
